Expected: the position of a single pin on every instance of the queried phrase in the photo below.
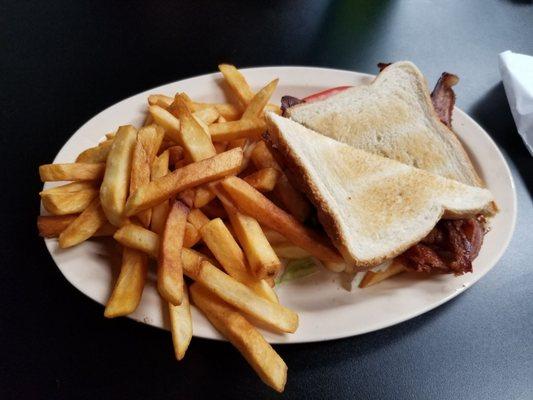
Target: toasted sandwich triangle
(373, 208)
(392, 117)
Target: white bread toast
(392, 117)
(373, 208)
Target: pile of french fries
(196, 190)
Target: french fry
(84, 226)
(115, 185)
(263, 180)
(203, 195)
(274, 108)
(249, 342)
(238, 143)
(170, 271)
(110, 135)
(184, 178)
(71, 187)
(181, 164)
(207, 115)
(165, 145)
(220, 147)
(221, 119)
(197, 218)
(247, 146)
(256, 106)
(270, 281)
(192, 136)
(293, 200)
(108, 229)
(219, 240)
(263, 260)
(237, 84)
(97, 154)
(227, 111)
(188, 101)
(181, 325)
(140, 175)
(192, 235)
(160, 100)
(252, 202)
(139, 238)
(166, 120)
(187, 197)
(71, 172)
(261, 257)
(271, 314)
(175, 154)
(290, 251)
(371, 277)
(262, 157)
(273, 237)
(68, 203)
(52, 225)
(148, 119)
(160, 211)
(151, 137)
(243, 128)
(129, 286)
(337, 266)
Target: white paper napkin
(517, 75)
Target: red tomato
(325, 94)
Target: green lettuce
(298, 269)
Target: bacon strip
(382, 66)
(288, 102)
(443, 97)
(449, 248)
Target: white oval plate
(326, 309)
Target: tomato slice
(325, 94)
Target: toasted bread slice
(392, 117)
(373, 208)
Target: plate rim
(338, 334)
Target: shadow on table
(526, 2)
(498, 122)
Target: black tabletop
(64, 61)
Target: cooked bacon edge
(449, 248)
(443, 97)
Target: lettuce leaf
(298, 269)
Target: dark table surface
(64, 61)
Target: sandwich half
(393, 117)
(374, 208)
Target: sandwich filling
(449, 248)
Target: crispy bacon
(443, 97)
(449, 248)
(423, 258)
(382, 66)
(288, 102)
